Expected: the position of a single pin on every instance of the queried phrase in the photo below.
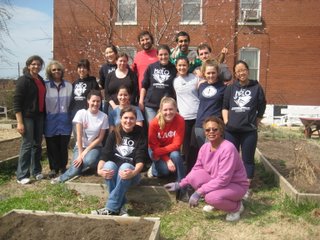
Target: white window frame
(254, 64)
(250, 12)
(193, 21)
(120, 21)
(130, 51)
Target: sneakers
(39, 176)
(52, 174)
(247, 195)
(24, 181)
(235, 216)
(208, 208)
(55, 180)
(124, 211)
(149, 173)
(103, 211)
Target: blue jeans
(90, 160)
(200, 136)
(248, 143)
(30, 150)
(160, 168)
(150, 113)
(118, 187)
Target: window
(191, 12)
(252, 57)
(250, 12)
(127, 12)
(130, 51)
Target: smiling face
(211, 74)
(163, 56)
(182, 67)
(94, 104)
(110, 55)
(145, 42)
(35, 67)
(242, 73)
(213, 131)
(83, 72)
(122, 63)
(128, 121)
(123, 97)
(183, 43)
(56, 72)
(168, 111)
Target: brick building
(279, 39)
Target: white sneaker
(55, 180)
(24, 181)
(247, 195)
(235, 216)
(208, 208)
(39, 176)
(124, 211)
(103, 211)
(149, 173)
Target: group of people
(177, 111)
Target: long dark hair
(119, 126)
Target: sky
(31, 30)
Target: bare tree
(5, 16)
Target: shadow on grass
(7, 170)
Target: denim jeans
(90, 160)
(30, 150)
(150, 113)
(200, 136)
(160, 168)
(247, 141)
(118, 187)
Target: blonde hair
(209, 63)
(160, 116)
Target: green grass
(50, 198)
(7, 170)
(266, 207)
(281, 133)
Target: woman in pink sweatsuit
(218, 176)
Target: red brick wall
(288, 40)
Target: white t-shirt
(187, 95)
(91, 124)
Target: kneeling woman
(122, 161)
(218, 176)
(166, 134)
(91, 125)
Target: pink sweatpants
(227, 199)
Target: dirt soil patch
(15, 226)
(9, 143)
(296, 159)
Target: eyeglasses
(241, 71)
(56, 70)
(211, 129)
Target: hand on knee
(171, 166)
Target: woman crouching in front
(218, 176)
(122, 161)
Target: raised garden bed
(25, 224)
(149, 191)
(295, 164)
